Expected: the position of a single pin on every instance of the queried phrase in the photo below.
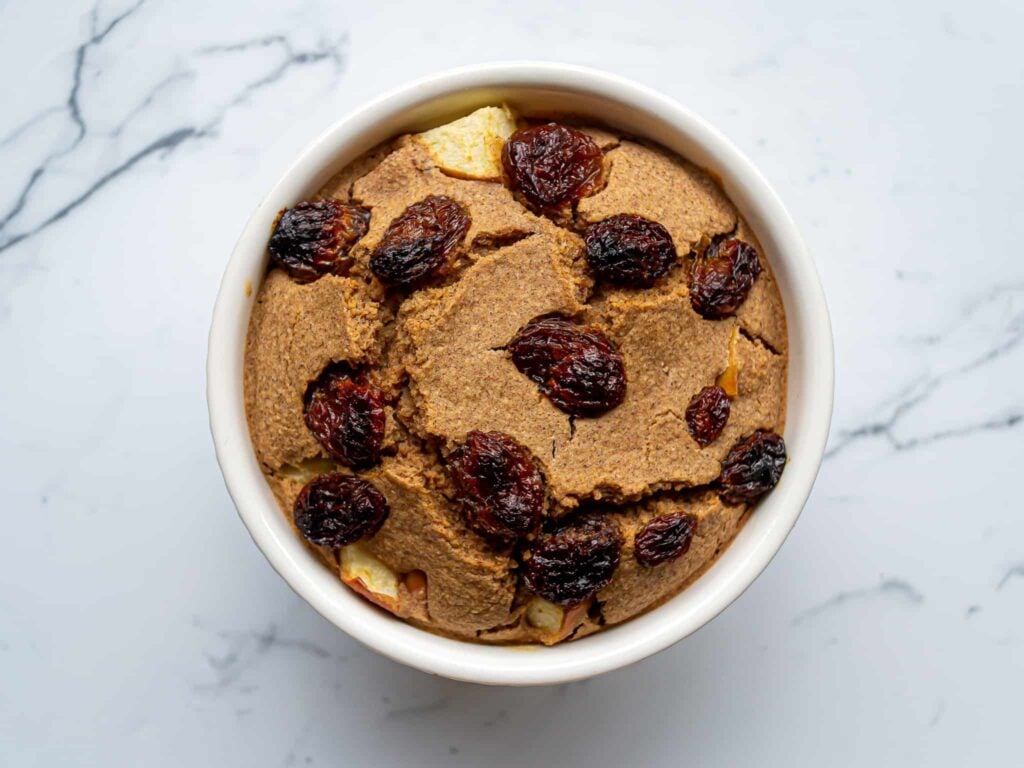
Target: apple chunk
(369, 576)
(555, 622)
(728, 379)
(470, 147)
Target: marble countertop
(140, 625)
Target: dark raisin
(574, 561)
(417, 243)
(589, 382)
(335, 510)
(551, 165)
(577, 367)
(753, 467)
(542, 343)
(314, 237)
(721, 278)
(629, 250)
(707, 414)
(664, 538)
(346, 417)
(498, 484)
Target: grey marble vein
(991, 425)
(244, 650)
(269, 638)
(20, 130)
(1014, 571)
(147, 101)
(291, 758)
(418, 709)
(327, 51)
(291, 58)
(167, 143)
(245, 45)
(897, 588)
(97, 37)
(919, 391)
(73, 108)
(500, 715)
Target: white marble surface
(140, 626)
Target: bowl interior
(533, 89)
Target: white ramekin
(539, 88)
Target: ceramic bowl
(534, 88)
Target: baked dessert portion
(517, 380)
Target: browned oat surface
(439, 351)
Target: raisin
(664, 538)
(335, 510)
(577, 367)
(551, 165)
(707, 414)
(499, 485)
(752, 467)
(629, 250)
(314, 237)
(721, 278)
(542, 343)
(417, 243)
(589, 382)
(346, 417)
(574, 561)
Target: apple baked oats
(517, 380)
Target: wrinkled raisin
(629, 250)
(314, 237)
(335, 510)
(664, 538)
(551, 165)
(707, 414)
(588, 382)
(346, 417)
(542, 343)
(721, 278)
(497, 481)
(753, 467)
(574, 561)
(417, 243)
(577, 367)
